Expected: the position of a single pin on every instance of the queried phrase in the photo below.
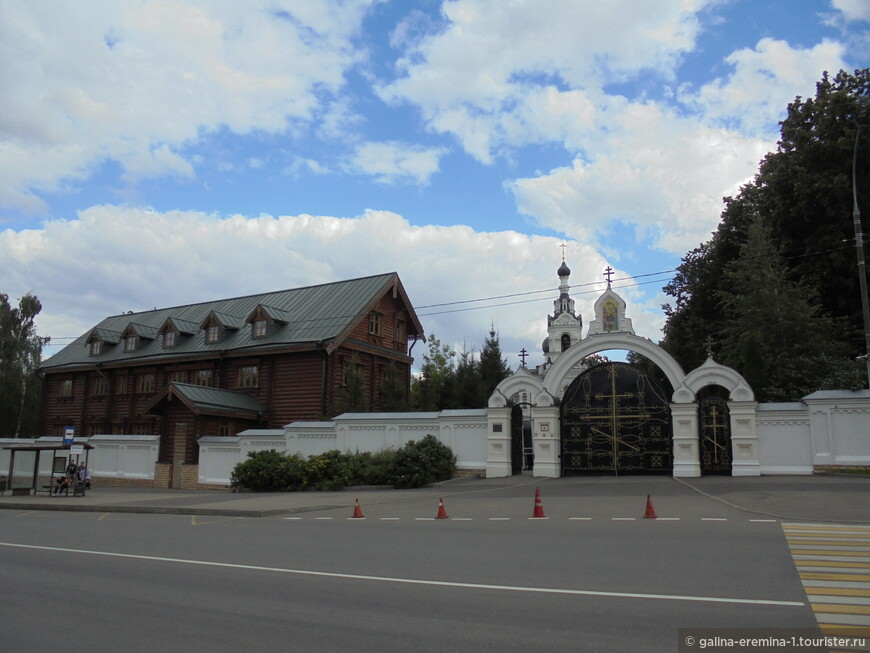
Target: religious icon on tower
(610, 314)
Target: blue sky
(166, 152)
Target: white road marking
(414, 581)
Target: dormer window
(130, 343)
(96, 348)
(218, 326)
(266, 320)
(170, 339)
(212, 334)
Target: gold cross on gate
(614, 417)
(715, 426)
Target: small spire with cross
(608, 272)
(563, 246)
(523, 353)
(708, 344)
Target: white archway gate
(547, 393)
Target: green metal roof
(314, 314)
(210, 401)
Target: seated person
(61, 484)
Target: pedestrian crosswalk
(833, 562)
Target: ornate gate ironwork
(516, 440)
(714, 420)
(615, 419)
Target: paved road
(594, 576)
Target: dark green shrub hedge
(423, 462)
(270, 471)
(414, 465)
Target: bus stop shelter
(39, 449)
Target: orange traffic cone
(539, 508)
(357, 511)
(650, 511)
(442, 513)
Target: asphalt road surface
(595, 576)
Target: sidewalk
(823, 498)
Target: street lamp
(860, 117)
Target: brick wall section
(189, 477)
(162, 474)
(98, 482)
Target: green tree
(393, 391)
(433, 389)
(20, 358)
(803, 193)
(776, 333)
(493, 367)
(468, 384)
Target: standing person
(83, 476)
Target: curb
(165, 510)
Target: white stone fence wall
(464, 431)
(825, 430)
(828, 429)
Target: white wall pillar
(744, 439)
(547, 441)
(498, 442)
(687, 462)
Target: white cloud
(502, 77)
(492, 62)
(393, 162)
(138, 82)
(113, 259)
(853, 9)
(764, 80)
(660, 172)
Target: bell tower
(564, 326)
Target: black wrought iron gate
(516, 440)
(615, 419)
(714, 421)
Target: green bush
(270, 471)
(423, 462)
(414, 465)
(331, 470)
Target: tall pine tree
(775, 331)
(493, 366)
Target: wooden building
(221, 367)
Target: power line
(477, 308)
